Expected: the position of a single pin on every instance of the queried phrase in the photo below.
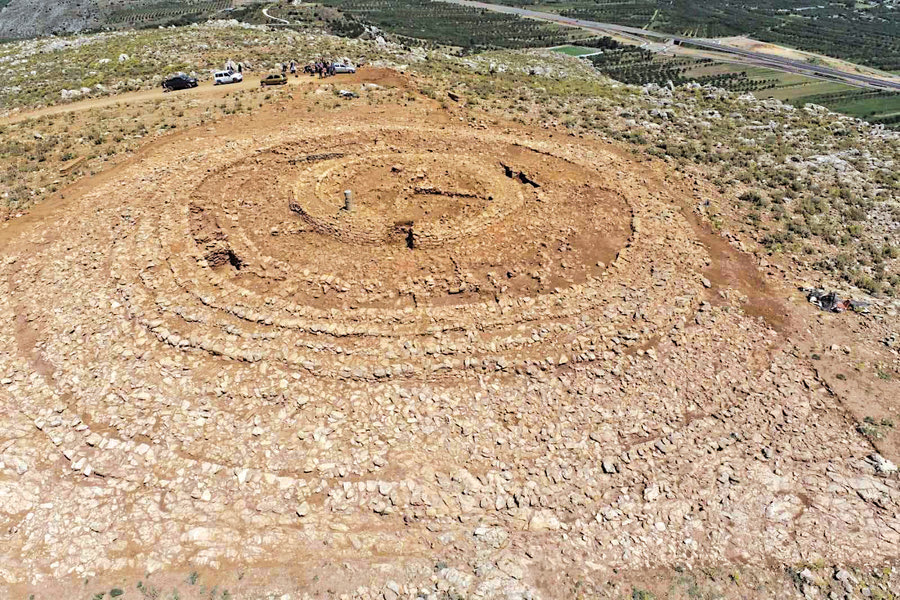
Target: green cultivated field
(631, 64)
(575, 50)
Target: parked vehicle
(342, 68)
(226, 77)
(273, 79)
(179, 81)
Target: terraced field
(166, 12)
(453, 25)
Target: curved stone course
(487, 329)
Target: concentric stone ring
(457, 243)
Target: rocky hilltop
(553, 348)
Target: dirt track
(205, 89)
(512, 368)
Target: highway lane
(746, 56)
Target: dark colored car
(273, 79)
(179, 82)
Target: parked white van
(223, 77)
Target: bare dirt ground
(204, 90)
(519, 366)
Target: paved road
(265, 11)
(745, 56)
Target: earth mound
(499, 370)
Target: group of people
(292, 67)
(322, 68)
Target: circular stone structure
(498, 358)
(465, 250)
(466, 208)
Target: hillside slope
(32, 18)
(553, 349)
(22, 19)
